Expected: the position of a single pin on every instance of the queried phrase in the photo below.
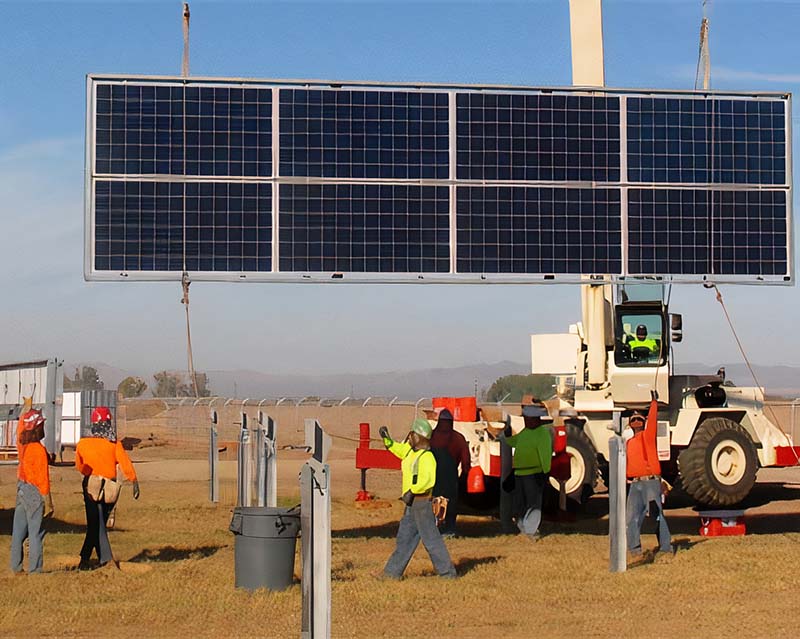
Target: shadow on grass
(467, 564)
(170, 553)
(487, 527)
(53, 525)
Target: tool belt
(102, 489)
(439, 505)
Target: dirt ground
(176, 576)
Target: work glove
(407, 498)
(48, 506)
(387, 438)
(654, 395)
(136, 490)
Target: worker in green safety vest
(643, 341)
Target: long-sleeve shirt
(98, 456)
(454, 442)
(642, 452)
(533, 450)
(425, 469)
(33, 467)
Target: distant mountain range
(409, 385)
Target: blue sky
(47, 48)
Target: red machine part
(722, 523)
(560, 466)
(787, 455)
(367, 458)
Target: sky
(46, 50)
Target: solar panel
(232, 179)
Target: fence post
(213, 460)
(244, 474)
(617, 532)
(315, 518)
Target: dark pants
(96, 532)
(528, 492)
(447, 486)
(418, 523)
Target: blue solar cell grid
(183, 179)
(172, 130)
(364, 228)
(698, 232)
(538, 230)
(537, 137)
(364, 134)
(706, 140)
(140, 226)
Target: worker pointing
(34, 502)
(96, 458)
(418, 521)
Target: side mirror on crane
(676, 324)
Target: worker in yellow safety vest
(643, 341)
(418, 521)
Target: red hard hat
(32, 419)
(101, 414)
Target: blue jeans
(27, 524)
(640, 495)
(418, 523)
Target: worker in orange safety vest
(644, 477)
(34, 503)
(96, 458)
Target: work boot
(84, 564)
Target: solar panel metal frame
(275, 275)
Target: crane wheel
(583, 465)
(719, 466)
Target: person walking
(418, 522)
(97, 458)
(644, 476)
(451, 451)
(533, 450)
(34, 503)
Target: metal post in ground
(266, 468)
(244, 459)
(315, 518)
(213, 460)
(617, 532)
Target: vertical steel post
(244, 474)
(213, 460)
(617, 532)
(260, 450)
(315, 518)
(506, 496)
(271, 466)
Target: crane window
(639, 340)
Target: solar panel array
(274, 181)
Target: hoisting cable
(775, 419)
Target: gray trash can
(264, 546)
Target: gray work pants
(530, 489)
(640, 495)
(418, 523)
(28, 524)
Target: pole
(315, 518)
(243, 496)
(185, 60)
(213, 460)
(616, 498)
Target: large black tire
(719, 466)
(584, 465)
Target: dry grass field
(176, 576)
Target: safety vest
(647, 343)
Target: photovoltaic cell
(364, 134)
(142, 130)
(538, 230)
(706, 140)
(140, 226)
(698, 232)
(537, 137)
(364, 228)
